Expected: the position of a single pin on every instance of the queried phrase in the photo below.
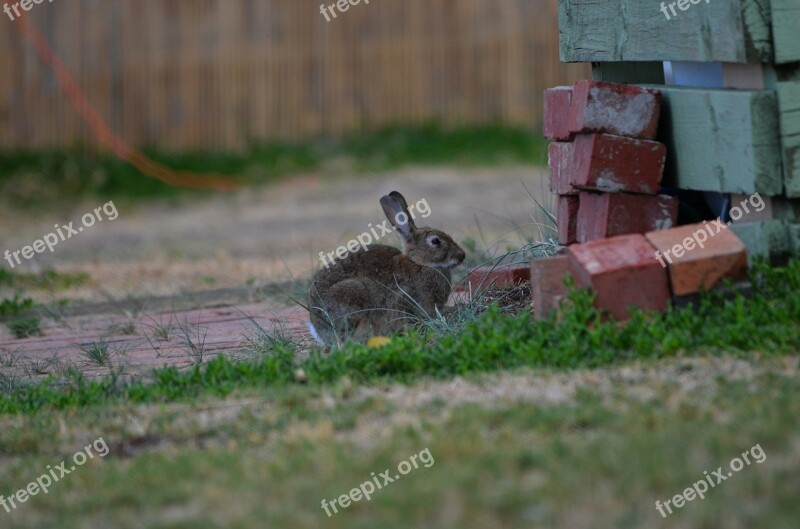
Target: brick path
(136, 345)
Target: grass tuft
(97, 352)
(25, 327)
(15, 305)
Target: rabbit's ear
(402, 201)
(399, 217)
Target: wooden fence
(188, 74)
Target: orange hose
(105, 134)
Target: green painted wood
(780, 73)
(785, 27)
(721, 140)
(637, 30)
(629, 72)
(789, 109)
(767, 239)
(786, 208)
(794, 238)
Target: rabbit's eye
(434, 241)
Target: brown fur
(380, 290)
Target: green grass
(30, 177)
(49, 280)
(25, 327)
(97, 352)
(15, 305)
(599, 458)
(766, 323)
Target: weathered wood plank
(784, 208)
(789, 110)
(767, 239)
(794, 237)
(629, 72)
(785, 24)
(721, 140)
(633, 30)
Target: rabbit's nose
(461, 255)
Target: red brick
(559, 160)
(557, 104)
(602, 215)
(497, 277)
(547, 284)
(567, 219)
(616, 164)
(699, 257)
(623, 272)
(621, 109)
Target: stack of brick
(606, 170)
(604, 165)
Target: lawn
(525, 448)
(579, 422)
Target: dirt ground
(275, 233)
(179, 283)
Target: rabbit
(379, 289)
